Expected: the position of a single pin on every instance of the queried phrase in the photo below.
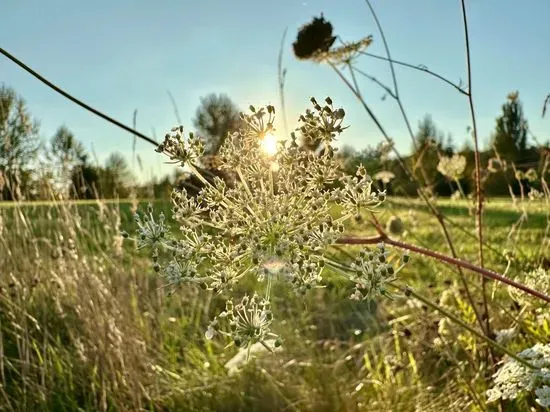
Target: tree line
(32, 168)
(510, 163)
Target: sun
(269, 144)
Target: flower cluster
(249, 321)
(538, 279)
(514, 378)
(150, 233)
(179, 149)
(535, 194)
(345, 53)
(531, 175)
(314, 42)
(372, 273)
(384, 176)
(314, 38)
(323, 123)
(452, 167)
(496, 165)
(283, 210)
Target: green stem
(199, 175)
(410, 292)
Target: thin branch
(392, 69)
(486, 273)
(174, 106)
(281, 77)
(419, 68)
(409, 173)
(546, 102)
(410, 292)
(375, 80)
(479, 195)
(75, 100)
(365, 106)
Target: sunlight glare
(269, 144)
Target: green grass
(86, 325)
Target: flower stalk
(486, 273)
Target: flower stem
(486, 273)
(410, 292)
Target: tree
(18, 144)
(426, 156)
(116, 177)
(510, 138)
(216, 116)
(85, 181)
(66, 154)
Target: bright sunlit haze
(194, 48)
(269, 144)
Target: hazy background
(125, 55)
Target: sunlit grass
(109, 338)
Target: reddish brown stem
(479, 194)
(486, 273)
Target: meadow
(86, 324)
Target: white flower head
(514, 378)
(372, 274)
(249, 321)
(505, 336)
(538, 279)
(384, 176)
(276, 209)
(180, 149)
(543, 396)
(452, 167)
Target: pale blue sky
(124, 55)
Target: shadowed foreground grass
(86, 325)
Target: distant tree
(18, 145)
(369, 157)
(66, 153)
(85, 181)
(66, 147)
(510, 137)
(116, 178)
(216, 116)
(426, 156)
(449, 148)
(163, 188)
(348, 157)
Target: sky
(126, 55)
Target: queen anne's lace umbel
(513, 378)
(283, 210)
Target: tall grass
(85, 325)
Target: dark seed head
(314, 37)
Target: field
(85, 323)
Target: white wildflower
(538, 279)
(452, 167)
(543, 396)
(505, 336)
(249, 321)
(372, 273)
(531, 175)
(495, 165)
(384, 176)
(274, 215)
(535, 194)
(514, 378)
